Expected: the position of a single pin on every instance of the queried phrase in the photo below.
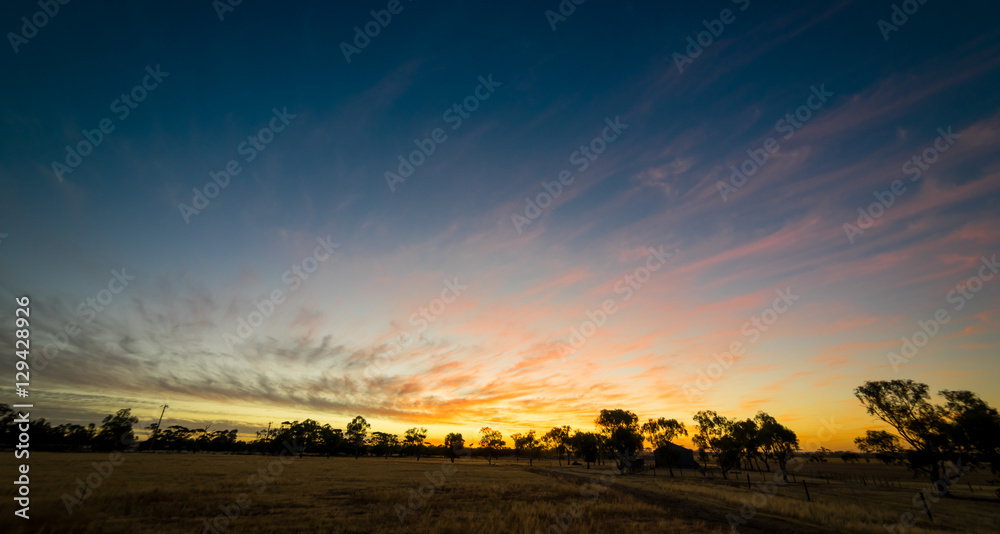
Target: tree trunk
(936, 478)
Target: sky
(508, 214)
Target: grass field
(195, 492)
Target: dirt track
(695, 510)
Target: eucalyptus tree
(623, 434)
(357, 431)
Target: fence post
(804, 486)
(748, 481)
(926, 508)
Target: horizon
(487, 215)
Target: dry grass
(837, 502)
(184, 492)
(179, 493)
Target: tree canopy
(621, 428)
(943, 439)
(357, 430)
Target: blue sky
(493, 355)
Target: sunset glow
(592, 224)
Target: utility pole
(157, 431)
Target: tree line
(619, 436)
(933, 440)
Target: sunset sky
(448, 299)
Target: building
(671, 455)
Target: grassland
(194, 493)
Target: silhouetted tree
(557, 439)
(491, 441)
(175, 437)
(621, 428)
(76, 437)
(454, 442)
(883, 445)
(116, 430)
(306, 435)
(974, 428)
(715, 436)
(745, 434)
(414, 439)
(44, 436)
(518, 439)
(528, 444)
(357, 430)
(586, 445)
(8, 432)
(384, 444)
(850, 457)
(333, 438)
(662, 431)
(964, 431)
(777, 441)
